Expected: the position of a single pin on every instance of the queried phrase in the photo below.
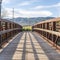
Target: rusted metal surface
(50, 20)
(49, 29)
(8, 29)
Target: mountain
(30, 21)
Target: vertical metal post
(13, 20)
(0, 8)
(13, 14)
(0, 23)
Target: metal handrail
(49, 31)
(6, 31)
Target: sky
(31, 8)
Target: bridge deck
(28, 46)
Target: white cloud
(49, 6)
(8, 12)
(35, 13)
(25, 13)
(5, 1)
(27, 2)
(24, 3)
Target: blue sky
(32, 8)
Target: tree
(4, 13)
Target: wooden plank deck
(29, 46)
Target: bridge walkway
(28, 46)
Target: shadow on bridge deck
(29, 46)
(8, 52)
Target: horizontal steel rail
(49, 29)
(9, 30)
(50, 20)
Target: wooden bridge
(42, 43)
